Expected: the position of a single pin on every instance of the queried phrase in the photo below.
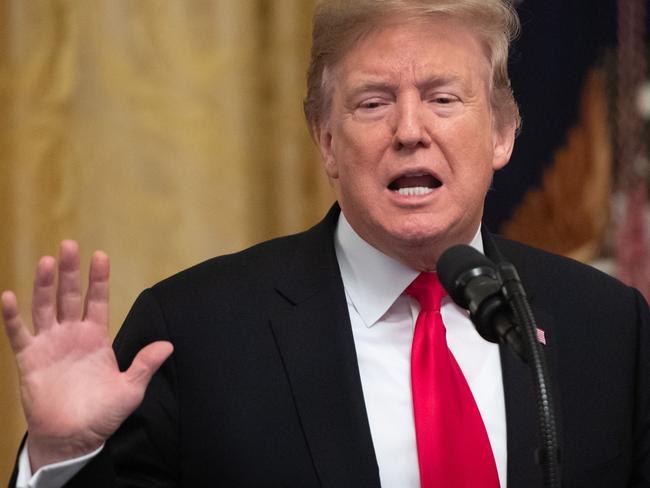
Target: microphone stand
(548, 456)
(500, 311)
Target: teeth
(414, 190)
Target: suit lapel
(523, 437)
(311, 325)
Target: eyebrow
(373, 86)
(424, 85)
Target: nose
(411, 129)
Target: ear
(503, 141)
(325, 145)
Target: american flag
(541, 337)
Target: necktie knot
(427, 290)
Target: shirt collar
(373, 280)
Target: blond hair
(339, 24)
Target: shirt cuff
(52, 475)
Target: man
(292, 360)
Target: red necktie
(453, 447)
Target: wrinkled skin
(413, 101)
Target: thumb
(147, 362)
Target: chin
(422, 226)
(433, 233)
(418, 234)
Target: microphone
(500, 311)
(474, 283)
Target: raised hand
(73, 393)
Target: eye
(443, 99)
(371, 104)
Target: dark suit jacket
(263, 388)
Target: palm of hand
(73, 394)
(68, 378)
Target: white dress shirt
(53, 475)
(383, 320)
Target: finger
(69, 302)
(96, 306)
(147, 362)
(19, 336)
(44, 295)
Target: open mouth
(415, 184)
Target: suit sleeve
(144, 450)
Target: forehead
(419, 50)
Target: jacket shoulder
(560, 277)
(243, 269)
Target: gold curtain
(161, 131)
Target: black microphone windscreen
(455, 262)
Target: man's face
(410, 143)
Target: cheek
(472, 171)
(357, 153)
(472, 149)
